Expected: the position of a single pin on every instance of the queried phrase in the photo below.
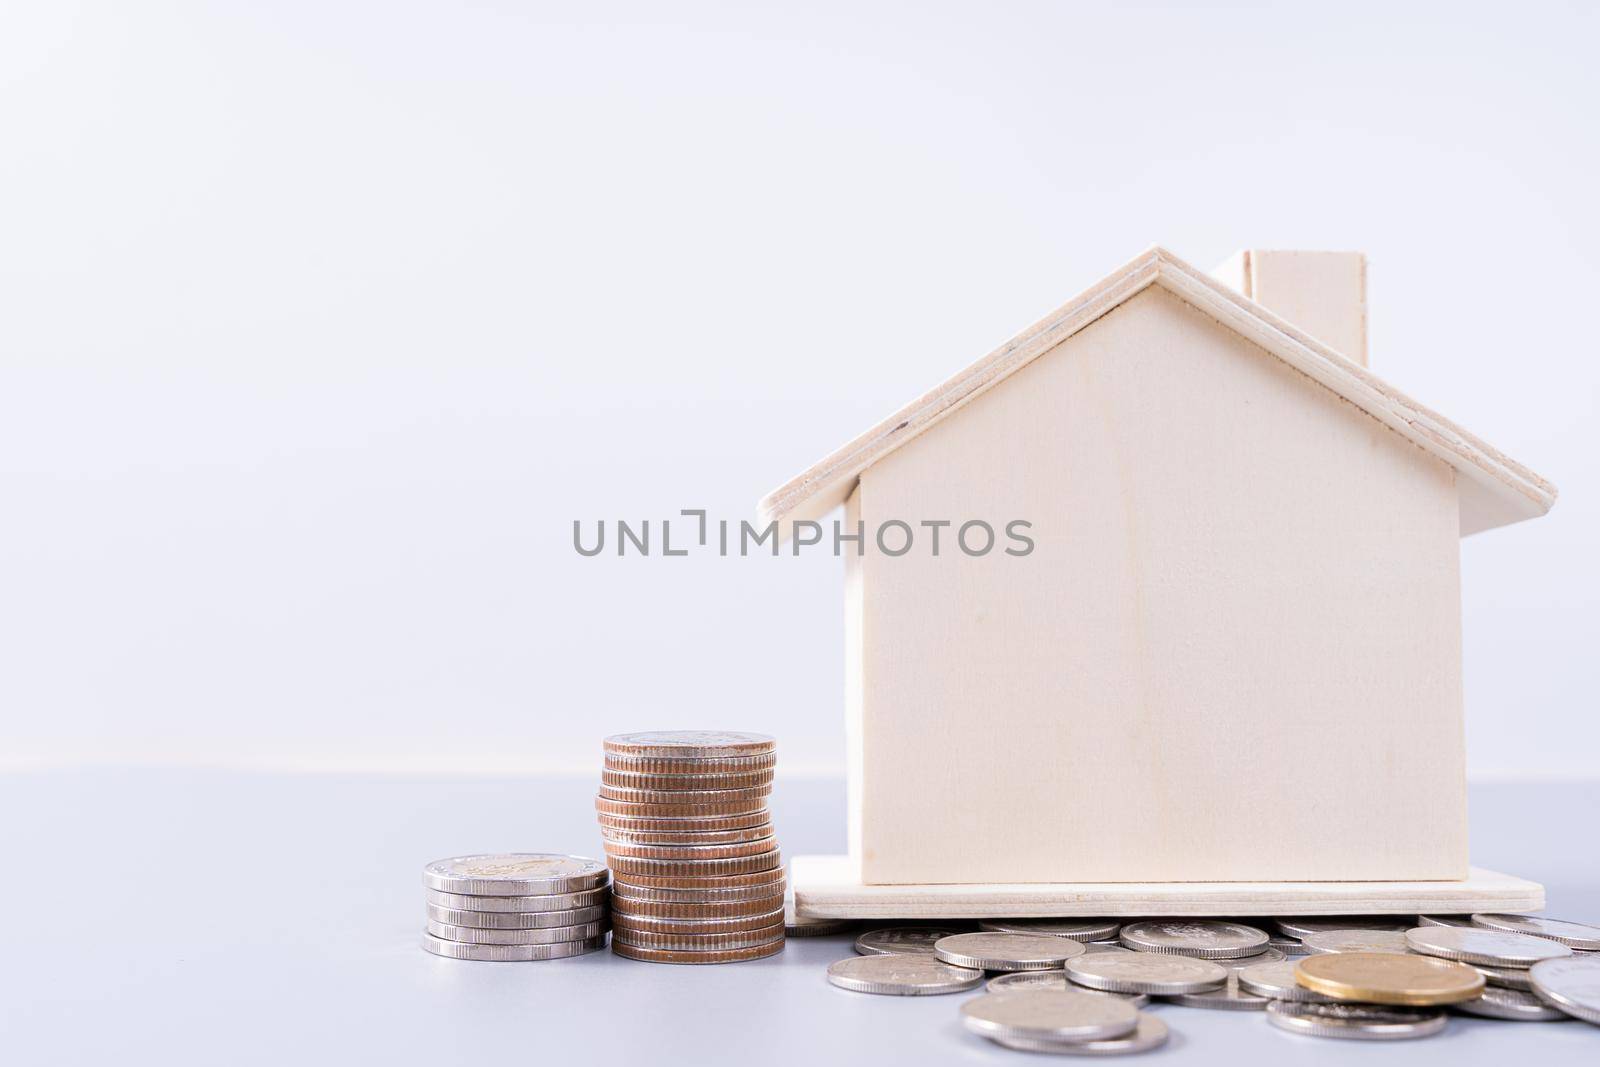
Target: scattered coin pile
(1076, 986)
(697, 876)
(515, 906)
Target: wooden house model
(1233, 653)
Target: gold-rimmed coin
(672, 909)
(736, 835)
(761, 761)
(700, 942)
(720, 924)
(638, 822)
(635, 882)
(1388, 978)
(732, 955)
(705, 806)
(754, 794)
(730, 850)
(632, 895)
(677, 783)
(629, 866)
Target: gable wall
(1234, 652)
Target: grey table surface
(209, 917)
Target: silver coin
(553, 935)
(1497, 1002)
(1239, 963)
(1358, 941)
(1229, 996)
(1085, 930)
(1317, 924)
(1150, 1033)
(1506, 977)
(1580, 936)
(1369, 1022)
(1573, 985)
(902, 975)
(1495, 948)
(901, 939)
(1276, 981)
(1289, 946)
(515, 874)
(546, 902)
(1444, 920)
(515, 920)
(1046, 1013)
(689, 744)
(1057, 980)
(510, 953)
(1204, 938)
(992, 951)
(1146, 972)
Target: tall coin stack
(515, 906)
(696, 872)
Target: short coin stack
(697, 876)
(515, 906)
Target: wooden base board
(827, 887)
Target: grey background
(203, 918)
(321, 321)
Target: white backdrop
(321, 322)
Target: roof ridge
(1512, 492)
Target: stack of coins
(515, 906)
(697, 876)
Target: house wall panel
(1234, 652)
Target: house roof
(1495, 489)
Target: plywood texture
(1233, 655)
(1495, 489)
(825, 887)
(1323, 293)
